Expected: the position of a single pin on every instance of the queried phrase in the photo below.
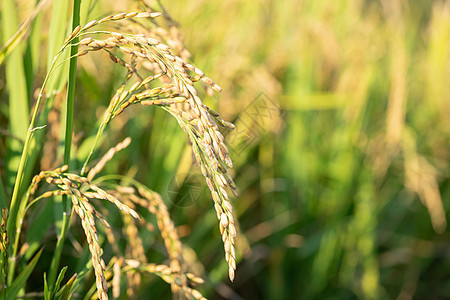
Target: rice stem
(67, 141)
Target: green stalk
(16, 212)
(71, 85)
(67, 142)
(108, 117)
(100, 131)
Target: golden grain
(105, 19)
(90, 232)
(86, 41)
(224, 220)
(155, 14)
(117, 35)
(119, 16)
(84, 52)
(90, 24)
(131, 15)
(144, 15)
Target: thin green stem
(67, 142)
(21, 214)
(97, 139)
(107, 119)
(71, 85)
(15, 203)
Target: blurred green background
(342, 145)
(341, 151)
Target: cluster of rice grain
(81, 190)
(135, 250)
(169, 276)
(175, 273)
(107, 157)
(177, 95)
(156, 75)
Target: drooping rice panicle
(178, 95)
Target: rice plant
(339, 148)
(156, 72)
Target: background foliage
(341, 150)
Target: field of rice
(230, 149)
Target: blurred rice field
(343, 110)
(341, 147)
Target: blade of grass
(9, 46)
(59, 280)
(18, 114)
(18, 98)
(32, 59)
(21, 280)
(42, 222)
(65, 292)
(46, 290)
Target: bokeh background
(341, 148)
